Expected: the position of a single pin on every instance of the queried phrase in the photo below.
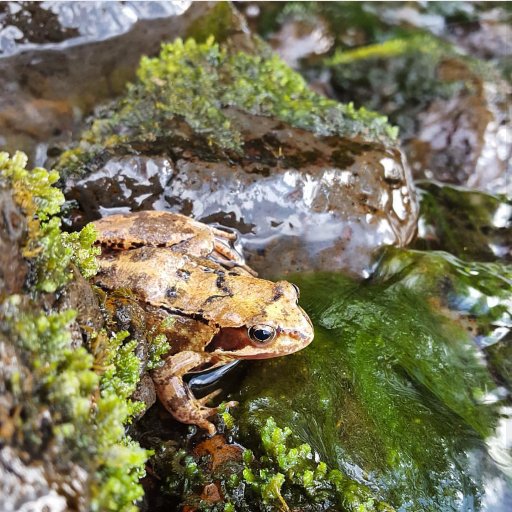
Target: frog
(196, 289)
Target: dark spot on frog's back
(141, 254)
(221, 283)
(214, 297)
(183, 274)
(278, 293)
(171, 293)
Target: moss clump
(158, 347)
(89, 409)
(51, 250)
(286, 466)
(85, 393)
(198, 82)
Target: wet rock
(312, 185)
(145, 392)
(454, 112)
(466, 139)
(58, 59)
(482, 29)
(358, 193)
(26, 488)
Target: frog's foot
(176, 396)
(208, 397)
(229, 257)
(220, 233)
(210, 411)
(205, 399)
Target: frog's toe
(209, 427)
(208, 397)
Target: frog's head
(279, 326)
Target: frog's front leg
(176, 396)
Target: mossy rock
(391, 392)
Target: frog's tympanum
(195, 287)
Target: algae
(479, 293)
(469, 224)
(392, 393)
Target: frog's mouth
(235, 342)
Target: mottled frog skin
(186, 271)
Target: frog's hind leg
(176, 396)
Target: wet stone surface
(59, 59)
(454, 118)
(299, 201)
(448, 94)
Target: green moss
(284, 465)
(197, 82)
(50, 249)
(119, 460)
(86, 394)
(158, 347)
(81, 245)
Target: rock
(466, 139)
(59, 59)
(453, 111)
(277, 170)
(25, 487)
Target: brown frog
(186, 271)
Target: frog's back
(186, 284)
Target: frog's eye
(297, 290)
(261, 333)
